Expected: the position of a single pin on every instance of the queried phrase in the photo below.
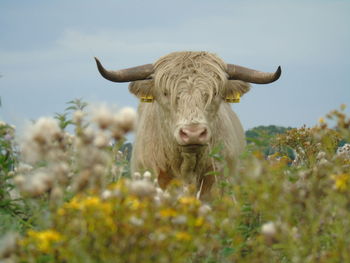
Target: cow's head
(189, 88)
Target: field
(66, 195)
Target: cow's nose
(194, 134)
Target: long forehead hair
(194, 70)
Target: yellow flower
(168, 212)
(183, 236)
(321, 120)
(133, 202)
(342, 181)
(199, 222)
(73, 204)
(189, 200)
(43, 239)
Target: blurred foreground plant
(273, 210)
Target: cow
(185, 112)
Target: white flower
(147, 175)
(269, 229)
(136, 176)
(106, 194)
(204, 209)
(321, 155)
(179, 220)
(344, 151)
(136, 221)
(142, 188)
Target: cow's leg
(164, 178)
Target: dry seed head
(36, 184)
(78, 116)
(103, 117)
(126, 119)
(45, 130)
(101, 140)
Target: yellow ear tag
(147, 99)
(236, 98)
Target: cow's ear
(142, 89)
(235, 89)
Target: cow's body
(187, 114)
(155, 149)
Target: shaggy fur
(188, 88)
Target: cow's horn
(250, 75)
(126, 75)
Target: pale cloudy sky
(47, 50)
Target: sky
(47, 50)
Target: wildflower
(101, 140)
(199, 222)
(179, 220)
(142, 188)
(36, 184)
(136, 176)
(106, 194)
(147, 175)
(127, 119)
(44, 130)
(78, 116)
(189, 200)
(269, 229)
(344, 151)
(204, 209)
(321, 120)
(168, 212)
(136, 221)
(321, 155)
(342, 181)
(183, 236)
(103, 117)
(44, 239)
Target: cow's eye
(165, 94)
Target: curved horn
(126, 75)
(250, 75)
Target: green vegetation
(75, 200)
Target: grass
(75, 201)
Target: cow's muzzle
(193, 134)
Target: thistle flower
(45, 130)
(127, 119)
(101, 140)
(103, 117)
(78, 116)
